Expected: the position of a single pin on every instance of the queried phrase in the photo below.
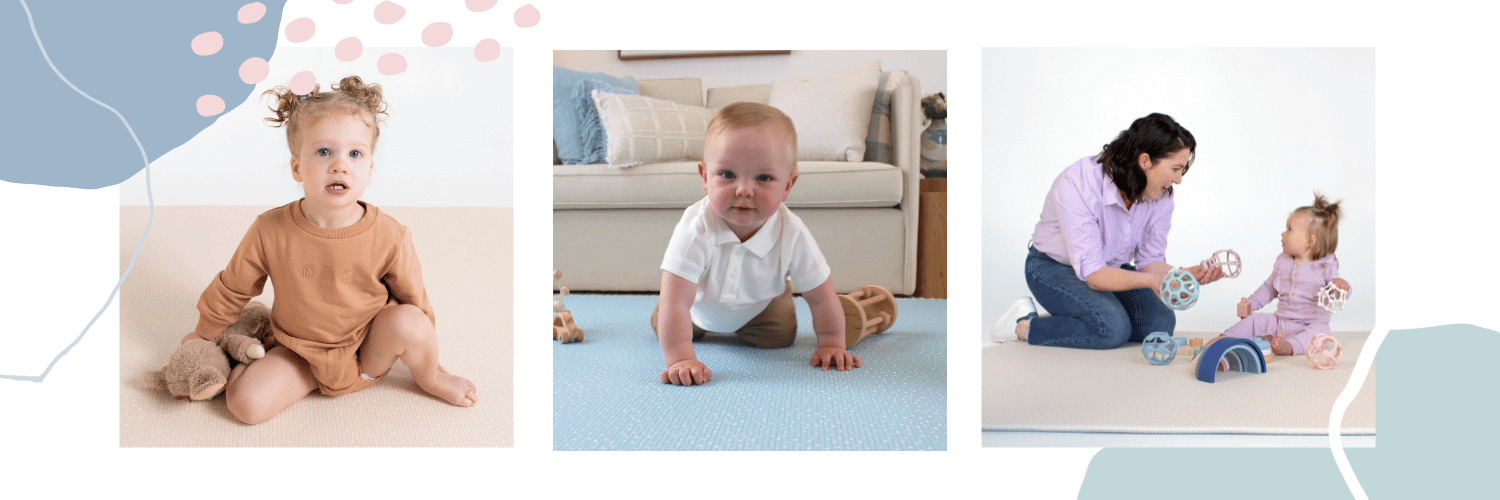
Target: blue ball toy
(1179, 290)
(1160, 348)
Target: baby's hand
(1343, 285)
(686, 372)
(834, 357)
(1244, 308)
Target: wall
(1273, 125)
(930, 66)
(447, 141)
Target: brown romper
(329, 283)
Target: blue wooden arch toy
(1242, 355)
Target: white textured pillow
(641, 129)
(831, 112)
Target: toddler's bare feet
(1280, 346)
(451, 388)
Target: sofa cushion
(677, 185)
(832, 112)
(642, 129)
(566, 134)
(687, 91)
(724, 96)
(590, 129)
(879, 140)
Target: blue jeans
(1086, 318)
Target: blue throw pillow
(566, 130)
(591, 130)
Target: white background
(446, 141)
(1435, 108)
(1272, 125)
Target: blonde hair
(1323, 223)
(747, 115)
(350, 96)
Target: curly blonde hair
(350, 96)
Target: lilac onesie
(1298, 316)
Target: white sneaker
(1005, 329)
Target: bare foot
(1022, 328)
(451, 388)
(1280, 346)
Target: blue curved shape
(1242, 354)
(136, 56)
(150, 217)
(1438, 425)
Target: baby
(349, 293)
(1306, 264)
(732, 254)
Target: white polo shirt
(736, 280)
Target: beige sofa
(611, 225)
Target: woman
(1098, 254)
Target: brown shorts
(774, 327)
(335, 368)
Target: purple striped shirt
(1085, 224)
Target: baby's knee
(408, 322)
(250, 407)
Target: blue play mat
(607, 394)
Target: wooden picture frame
(635, 55)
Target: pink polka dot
(253, 70)
(527, 16)
(302, 83)
(210, 105)
(299, 30)
(437, 34)
(348, 49)
(342, 2)
(389, 13)
(208, 43)
(487, 50)
(479, 5)
(252, 12)
(391, 64)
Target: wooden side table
(932, 239)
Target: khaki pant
(774, 327)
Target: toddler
(732, 254)
(1305, 265)
(349, 294)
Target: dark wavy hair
(1158, 136)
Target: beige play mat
(466, 261)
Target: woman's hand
(1205, 276)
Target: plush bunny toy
(200, 369)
